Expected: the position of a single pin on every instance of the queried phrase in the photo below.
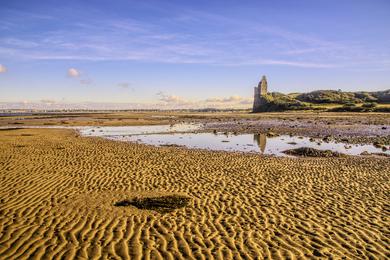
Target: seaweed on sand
(311, 152)
(162, 204)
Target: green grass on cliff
(328, 100)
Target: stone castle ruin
(260, 92)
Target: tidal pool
(111, 131)
(181, 135)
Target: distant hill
(340, 97)
(329, 100)
(276, 101)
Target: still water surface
(180, 135)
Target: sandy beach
(58, 192)
(194, 130)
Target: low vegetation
(275, 102)
(340, 97)
(328, 100)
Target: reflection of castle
(261, 140)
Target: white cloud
(81, 77)
(73, 73)
(3, 69)
(246, 101)
(164, 102)
(48, 101)
(172, 98)
(224, 100)
(173, 101)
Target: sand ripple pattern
(57, 192)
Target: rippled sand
(58, 192)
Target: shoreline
(354, 127)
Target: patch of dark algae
(311, 152)
(161, 204)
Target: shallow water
(257, 143)
(136, 130)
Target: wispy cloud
(163, 41)
(224, 100)
(125, 85)
(291, 63)
(86, 81)
(165, 101)
(173, 101)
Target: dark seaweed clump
(311, 152)
(162, 204)
(9, 129)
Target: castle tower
(260, 90)
(263, 85)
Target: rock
(171, 145)
(365, 153)
(272, 134)
(381, 154)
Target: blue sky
(189, 53)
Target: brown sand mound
(311, 152)
(59, 203)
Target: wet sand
(58, 191)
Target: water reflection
(261, 140)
